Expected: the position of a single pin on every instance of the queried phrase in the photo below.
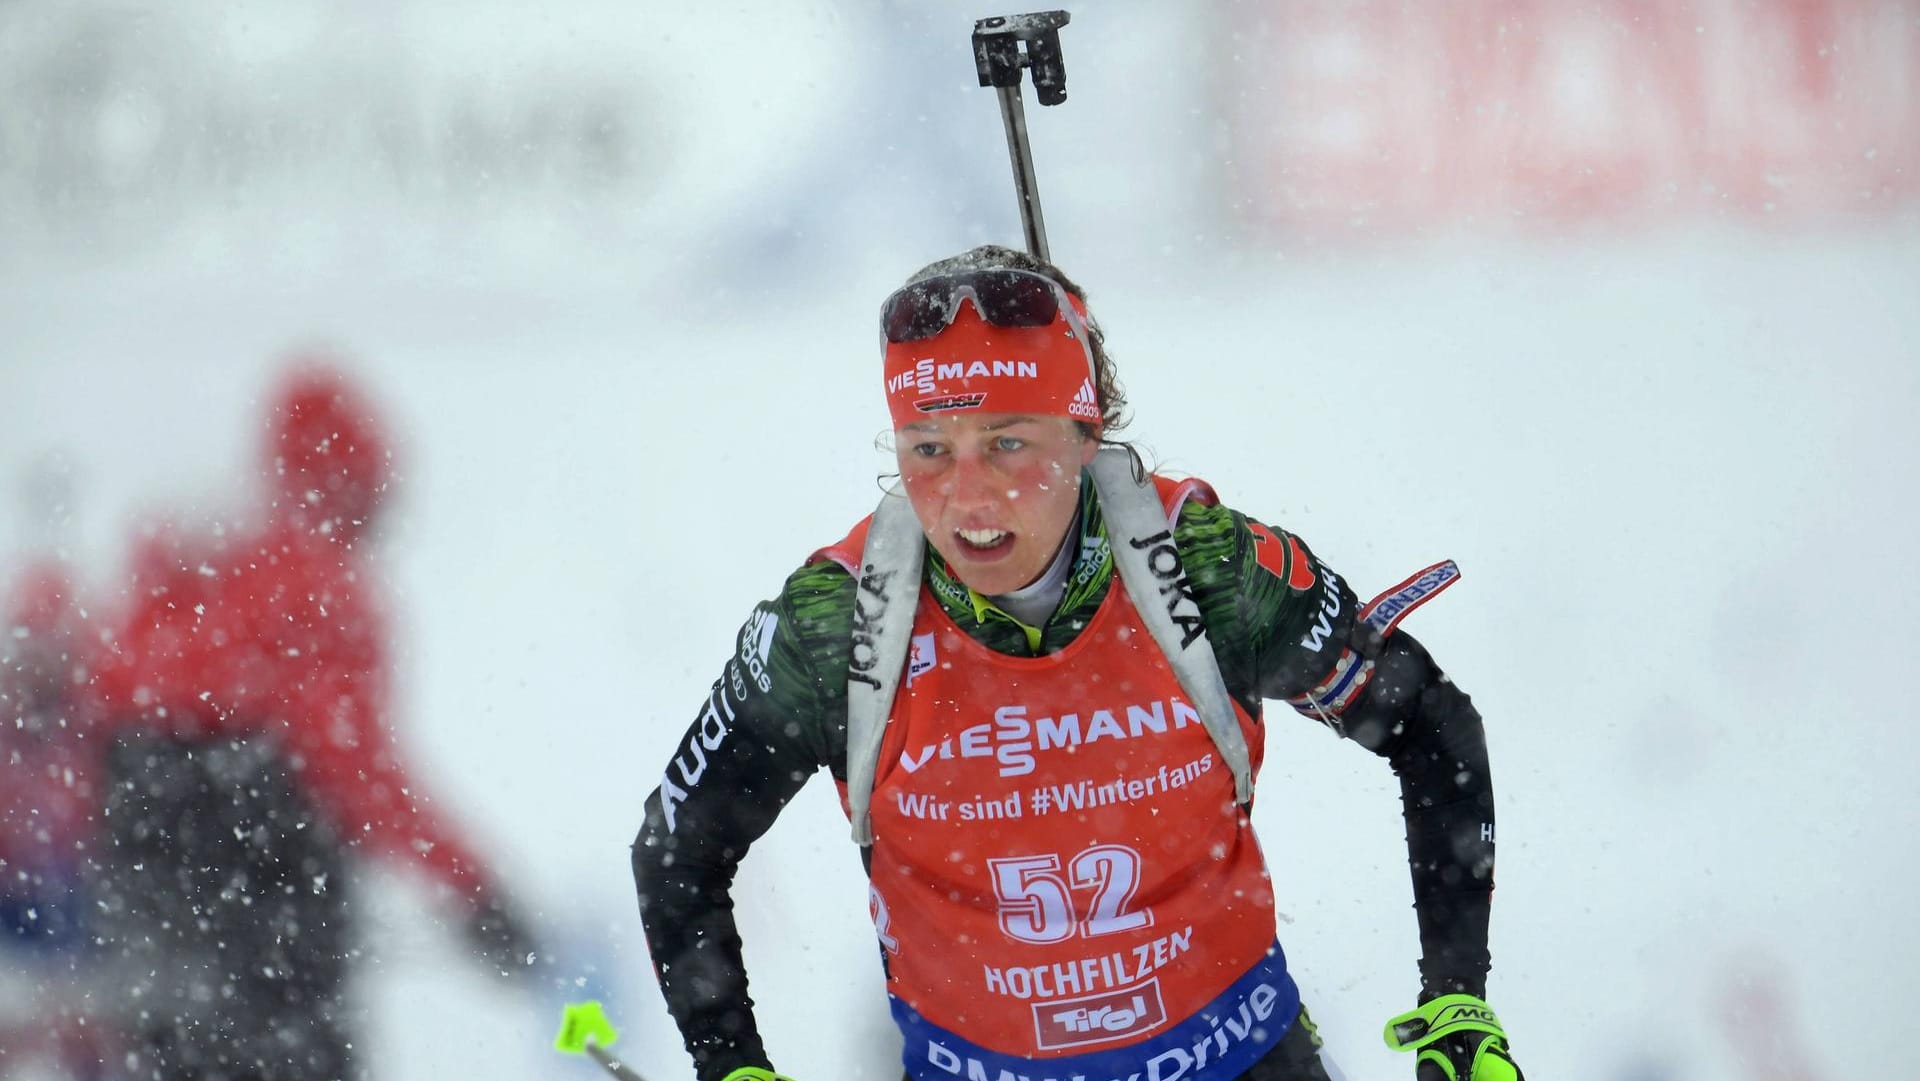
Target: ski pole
(584, 1029)
(998, 58)
(612, 1065)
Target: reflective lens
(1004, 298)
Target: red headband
(973, 365)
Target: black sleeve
(1286, 627)
(756, 741)
(1412, 715)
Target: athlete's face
(995, 492)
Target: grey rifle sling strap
(1141, 538)
(885, 596)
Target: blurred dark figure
(46, 799)
(247, 693)
(48, 808)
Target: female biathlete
(1036, 673)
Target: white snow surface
(1676, 467)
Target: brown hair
(1113, 396)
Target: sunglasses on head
(1003, 297)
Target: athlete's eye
(1009, 442)
(928, 450)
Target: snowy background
(613, 275)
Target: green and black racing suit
(777, 714)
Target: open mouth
(984, 542)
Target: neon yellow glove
(1458, 1038)
(755, 1073)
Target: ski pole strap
(1448, 1015)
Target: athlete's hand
(1458, 1038)
(756, 1073)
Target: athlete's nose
(971, 482)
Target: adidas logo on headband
(1085, 404)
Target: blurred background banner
(1380, 118)
(125, 125)
(1366, 120)
(1611, 302)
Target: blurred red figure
(247, 689)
